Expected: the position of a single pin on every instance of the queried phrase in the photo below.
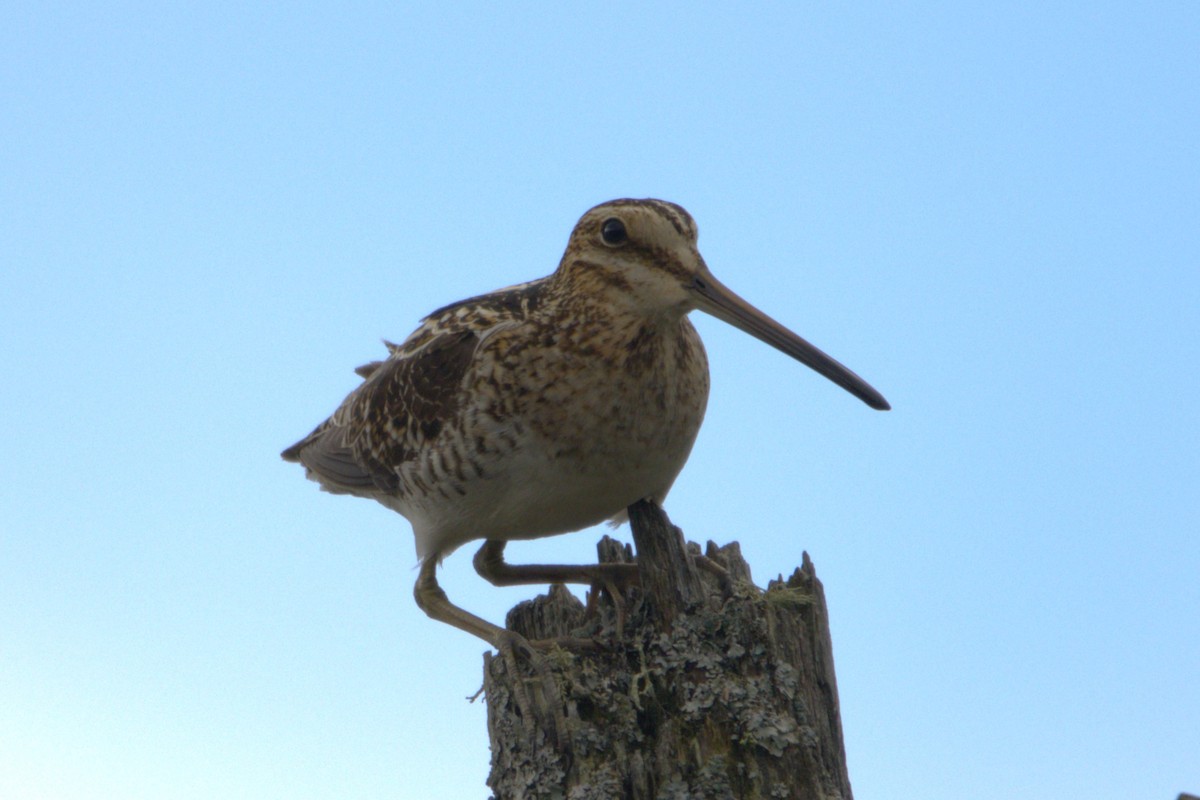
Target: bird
(545, 407)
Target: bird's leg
(490, 564)
(433, 601)
(614, 578)
(714, 568)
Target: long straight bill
(715, 298)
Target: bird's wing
(404, 402)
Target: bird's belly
(541, 487)
(558, 496)
(557, 443)
(538, 491)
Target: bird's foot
(714, 568)
(617, 596)
(571, 644)
(543, 707)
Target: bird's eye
(612, 231)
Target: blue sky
(211, 213)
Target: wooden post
(714, 689)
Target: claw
(548, 706)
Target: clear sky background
(211, 213)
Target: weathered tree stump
(704, 687)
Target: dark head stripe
(680, 219)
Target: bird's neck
(593, 291)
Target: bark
(703, 685)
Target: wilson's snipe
(545, 407)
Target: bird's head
(643, 255)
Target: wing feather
(404, 402)
(407, 400)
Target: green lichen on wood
(735, 698)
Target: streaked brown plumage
(545, 407)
